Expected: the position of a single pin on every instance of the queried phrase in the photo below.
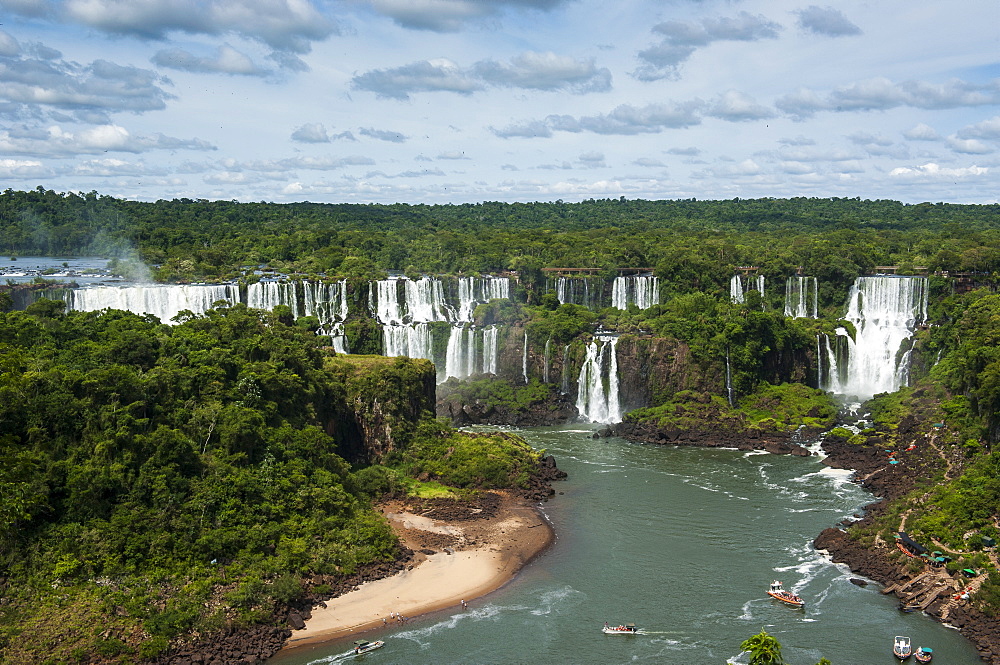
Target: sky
(463, 101)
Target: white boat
(624, 629)
(364, 646)
(778, 593)
(901, 647)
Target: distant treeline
(692, 245)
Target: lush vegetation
(769, 408)
(161, 480)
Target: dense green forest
(160, 480)
(237, 430)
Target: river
(683, 542)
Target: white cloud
(224, 60)
(681, 39)
(529, 71)
(311, 133)
(935, 171)
(921, 132)
(284, 25)
(826, 21)
(968, 146)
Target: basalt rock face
(554, 408)
(651, 367)
(386, 399)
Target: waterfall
(269, 294)
(474, 291)
(524, 358)
(736, 289)
(460, 357)
(573, 291)
(885, 311)
(386, 306)
(337, 338)
(798, 304)
(819, 364)
(413, 341)
(425, 300)
(162, 301)
(491, 349)
(597, 397)
(643, 290)
(325, 300)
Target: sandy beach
(458, 557)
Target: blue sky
(453, 101)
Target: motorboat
(364, 646)
(901, 647)
(623, 629)
(779, 593)
(923, 654)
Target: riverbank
(462, 551)
(934, 590)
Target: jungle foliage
(158, 480)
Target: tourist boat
(923, 654)
(625, 629)
(901, 647)
(787, 597)
(364, 646)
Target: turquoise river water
(683, 542)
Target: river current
(683, 542)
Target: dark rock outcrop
(780, 443)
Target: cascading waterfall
(269, 294)
(474, 291)
(327, 301)
(162, 301)
(460, 357)
(643, 290)
(597, 397)
(425, 301)
(491, 349)
(338, 340)
(573, 291)
(413, 341)
(798, 303)
(737, 291)
(885, 311)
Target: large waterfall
(162, 301)
(597, 397)
(801, 297)
(885, 311)
(404, 307)
(642, 290)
